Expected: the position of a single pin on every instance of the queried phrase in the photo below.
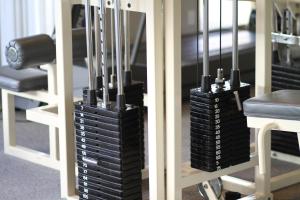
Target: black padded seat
(282, 104)
(23, 80)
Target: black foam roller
(30, 51)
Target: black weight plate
(287, 69)
(110, 140)
(115, 154)
(222, 122)
(286, 85)
(112, 179)
(108, 158)
(211, 156)
(128, 127)
(110, 172)
(103, 132)
(286, 80)
(111, 191)
(280, 74)
(209, 167)
(112, 166)
(107, 133)
(96, 143)
(84, 196)
(90, 116)
(108, 196)
(96, 181)
(112, 113)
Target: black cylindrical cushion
(30, 51)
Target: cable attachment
(220, 80)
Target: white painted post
(65, 96)
(9, 126)
(263, 67)
(263, 46)
(155, 79)
(173, 98)
(53, 131)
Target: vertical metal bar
(88, 21)
(126, 20)
(103, 45)
(206, 38)
(118, 48)
(97, 41)
(235, 53)
(112, 30)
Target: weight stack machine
(107, 133)
(134, 90)
(285, 70)
(219, 134)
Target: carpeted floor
(23, 180)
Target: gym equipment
(285, 67)
(107, 133)
(278, 110)
(37, 50)
(134, 91)
(30, 51)
(219, 134)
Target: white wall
(19, 18)
(189, 13)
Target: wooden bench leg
(54, 143)
(263, 171)
(9, 120)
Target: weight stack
(108, 152)
(220, 137)
(134, 95)
(285, 77)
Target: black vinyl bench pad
(23, 80)
(282, 104)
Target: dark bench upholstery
(23, 80)
(282, 104)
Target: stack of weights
(110, 139)
(219, 134)
(134, 95)
(285, 77)
(107, 133)
(220, 137)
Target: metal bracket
(286, 39)
(209, 191)
(130, 5)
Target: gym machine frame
(154, 100)
(289, 40)
(46, 115)
(180, 175)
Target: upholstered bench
(279, 110)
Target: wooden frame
(155, 96)
(9, 132)
(180, 175)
